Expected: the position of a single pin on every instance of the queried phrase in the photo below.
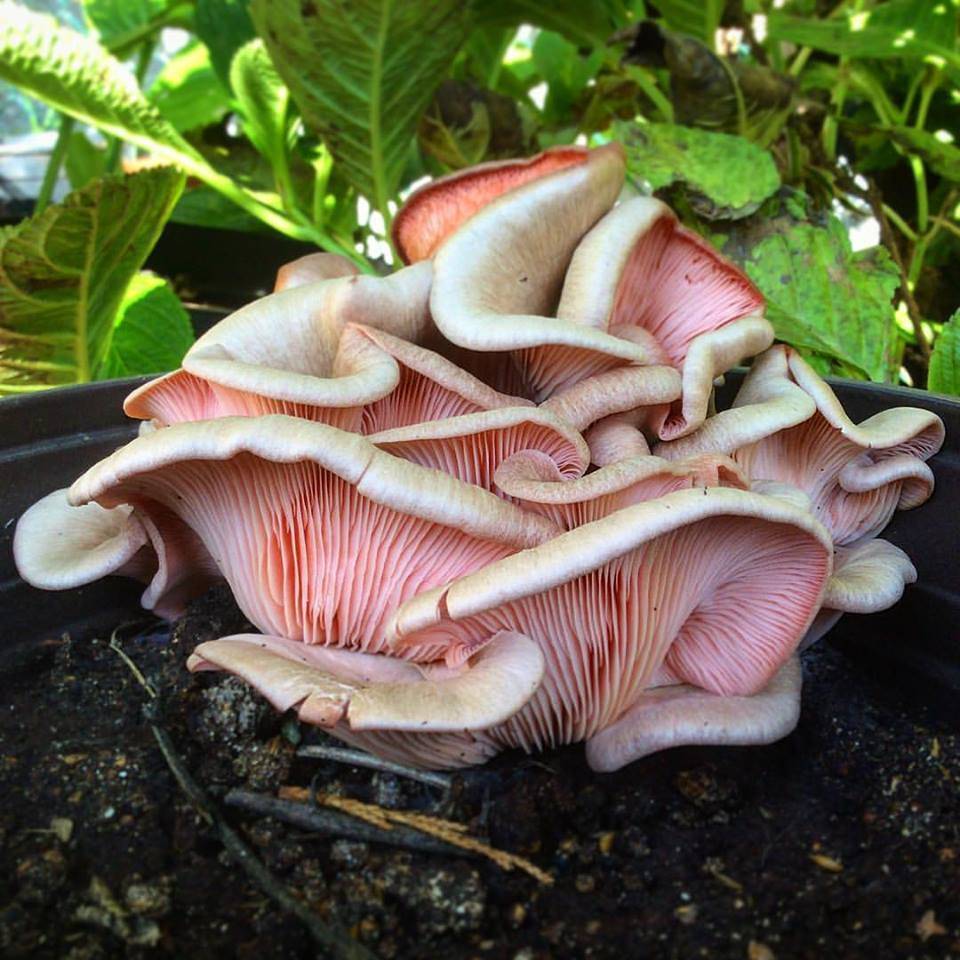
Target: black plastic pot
(48, 439)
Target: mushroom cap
(381, 693)
(639, 269)
(59, 547)
(681, 715)
(615, 391)
(320, 534)
(434, 211)
(243, 367)
(787, 425)
(868, 577)
(472, 447)
(718, 584)
(532, 479)
(768, 401)
(312, 268)
(497, 279)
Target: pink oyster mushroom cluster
(482, 502)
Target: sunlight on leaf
(727, 177)
(944, 374)
(152, 331)
(186, 91)
(822, 296)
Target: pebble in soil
(841, 841)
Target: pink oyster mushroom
(157, 543)
(578, 300)
(292, 352)
(382, 580)
(706, 590)
(787, 425)
(437, 574)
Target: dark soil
(841, 841)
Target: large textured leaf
(63, 275)
(726, 176)
(698, 18)
(152, 331)
(224, 26)
(362, 73)
(823, 297)
(263, 100)
(77, 76)
(944, 376)
(186, 91)
(922, 29)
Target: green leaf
(727, 177)
(115, 19)
(84, 161)
(944, 375)
(186, 91)
(588, 24)
(224, 26)
(566, 73)
(77, 76)
(263, 100)
(204, 207)
(823, 297)
(63, 275)
(942, 158)
(919, 29)
(152, 331)
(697, 18)
(362, 73)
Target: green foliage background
(774, 130)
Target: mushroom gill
(319, 534)
(641, 275)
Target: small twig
(336, 824)
(358, 758)
(449, 831)
(890, 242)
(331, 937)
(134, 669)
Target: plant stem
(927, 91)
(920, 180)
(800, 61)
(831, 124)
(55, 162)
(944, 224)
(906, 285)
(900, 223)
(122, 46)
(322, 167)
